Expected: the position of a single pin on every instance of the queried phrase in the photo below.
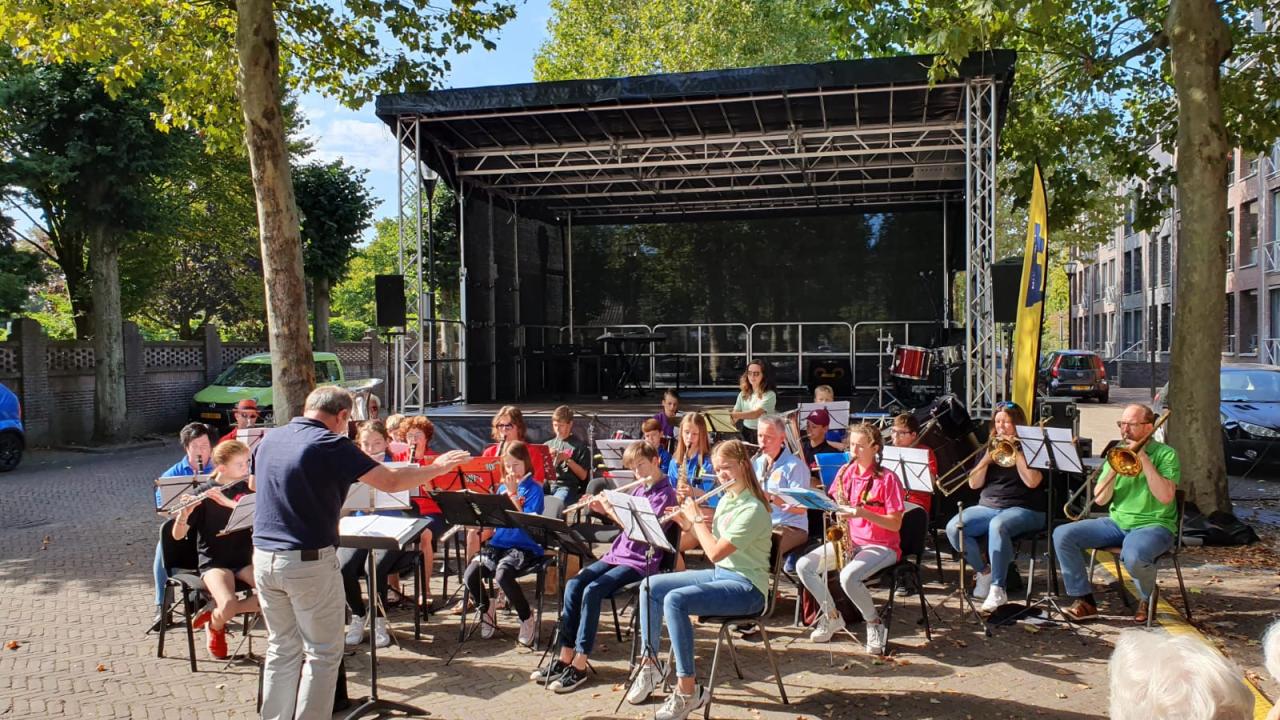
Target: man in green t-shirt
(1142, 519)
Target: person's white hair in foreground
(1271, 653)
(1159, 677)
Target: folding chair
(725, 635)
(912, 534)
(1172, 554)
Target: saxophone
(835, 535)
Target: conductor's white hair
(1271, 649)
(1158, 677)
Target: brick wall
(55, 380)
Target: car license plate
(1080, 387)
(211, 416)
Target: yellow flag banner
(1035, 270)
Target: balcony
(1111, 294)
(1271, 256)
(1271, 351)
(1229, 344)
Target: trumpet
(587, 501)
(705, 497)
(1122, 460)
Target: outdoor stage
(545, 174)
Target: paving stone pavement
(76, 541)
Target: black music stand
(961, 591)
(1045, 450)
(558, 535)
(478, 510)
(641, 525)
(169, 489)
(376, 705)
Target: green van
(250, 377)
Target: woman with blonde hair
(736, 539)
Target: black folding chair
(1172, 554)
(912, 534)
(725, 636)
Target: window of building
(1252, 168)
(1249, 234)
(1166, 260)
(1229, 326)
(1137, 270)
(1248, 333)
(1166, 327)
(1231, 240)
(1231, 168)
(1275, 217)
(1127, 272)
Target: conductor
(303, 471)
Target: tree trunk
(320, 310)
(110, 414)
(78, 292)
(1199, 42)
(292, 371)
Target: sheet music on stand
(612, 450)
(366, 498)
(838, 409)
(812, 499)
(402, 530)
(1038, 442)
(241, 517)
(911, 465)
(252, 435)
(639, 521)
(169, 489)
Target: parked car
(1074, 373)
(13, 439)
(250, 377)
(1249, 408)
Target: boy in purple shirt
(625, 563)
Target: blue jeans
(582, 597)
(568, 495)
(1139, 549)
(692, 592)
(1000, 527)
(160, 574)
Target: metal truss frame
(981, 143)
(412, 371)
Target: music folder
(242, 516)
(639, 522)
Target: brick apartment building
(1123, 297)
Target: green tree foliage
(336, 209)
(19, 271)
(353, 306)
(204, 54)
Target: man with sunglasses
(246, 415)
(1142, 518)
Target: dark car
(1249, 408)
(1074, 373)
(13, 439)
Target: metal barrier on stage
(791, 347)
(712, 355)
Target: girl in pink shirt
(871, 535)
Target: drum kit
(914, 364)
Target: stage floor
(645, 406)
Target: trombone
(1003, 450)
(1122, 460)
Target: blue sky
(364, 142)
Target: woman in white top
(755, 400)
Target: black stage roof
(763, 141)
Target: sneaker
(355, 631)
(789, 565)
(745, 630)
(489, 622)
(679, 707)
(217, 642)
(569, 680)
(528, 630)
(552, 670)
(995, 599)
(201, 619)
(645, 683)
(825, 628)
(1081, 609)
(982, 584)
(907, 587)
(381, 637)
(877, 636)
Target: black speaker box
(1006, 277)
(388, 298)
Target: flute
(197, 499)
(703, 498)
(583, 503)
